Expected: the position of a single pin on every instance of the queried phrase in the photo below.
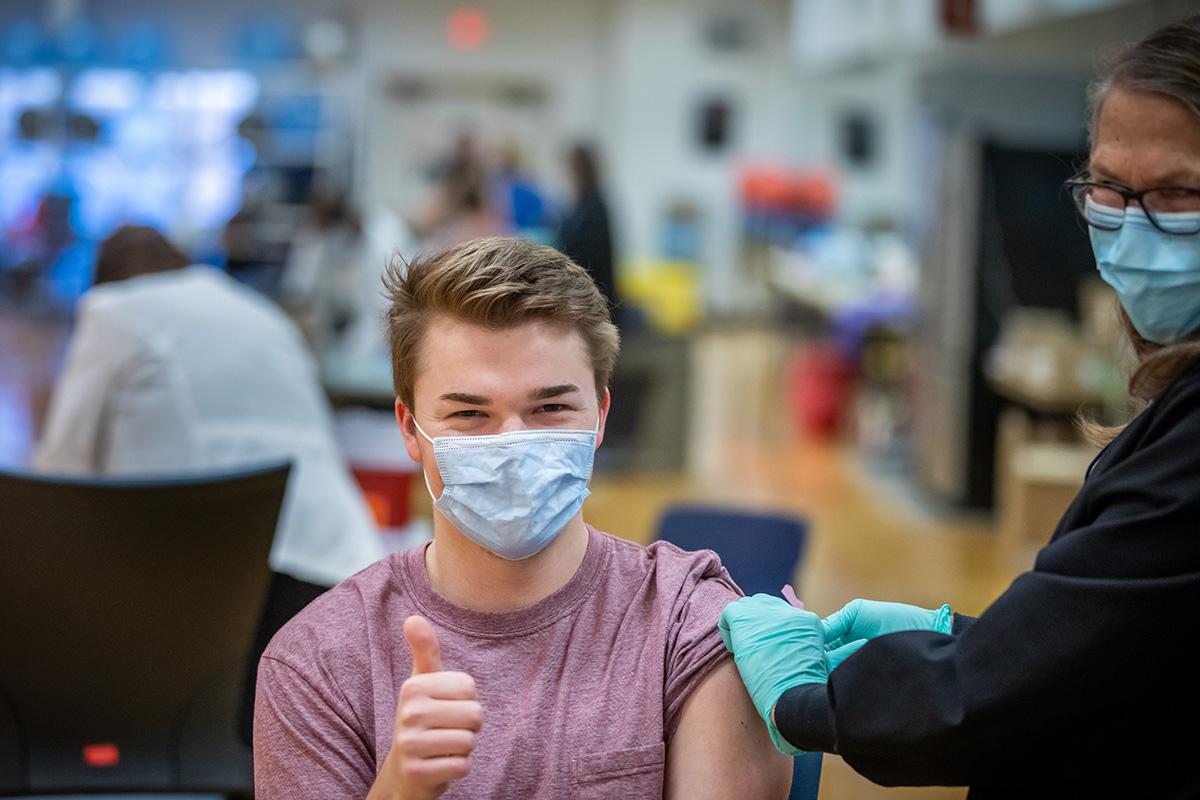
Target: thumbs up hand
(436, 721)
(427, 654)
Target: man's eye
(467, 413)
(553, 408)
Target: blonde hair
(495, 282)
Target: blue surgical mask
(512, 493)
(1156, 275)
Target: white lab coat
(188, 371)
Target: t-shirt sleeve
(694, 645)
(314, 719)
(305, 744)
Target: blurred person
(257, 239)
(321, 275)
(385, 232)
(1078, 681)
(176, 368)
(517, 196)
(43, 237)
(460, 209)
(522, 653)
(468, 216)
(585, 235)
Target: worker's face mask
(1156, 274)
(513, 492)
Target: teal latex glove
(775, 647)
(865, 619)
(836, 655)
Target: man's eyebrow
(466, 399)
(548, 392)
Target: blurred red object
(387, 494)
(376, 453)
(769, 187)
(819, 383)
(467, 29)
(959, 17)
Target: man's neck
(474, 578)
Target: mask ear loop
(421, 430)
(424, 474)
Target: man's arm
(721, 748)
(308, 744)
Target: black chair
(762, 552)
(128, 609)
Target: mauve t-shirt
(581, 692)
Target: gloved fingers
(732, 616)
(752, 608)
(840, 654)
(842, 641)
(841, 622)
(765, 601)
(751, 623)
(943, 620)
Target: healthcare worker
(1081, 680)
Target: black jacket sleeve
(1085, 657)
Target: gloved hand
(775, 647)
(836, 655)
(866, 619)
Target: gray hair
(1166, 62)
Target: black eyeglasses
(1171, 209)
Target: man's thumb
(427, 656)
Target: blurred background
(849, 285)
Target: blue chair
(129, 610)
(761, 552)
(806, 776)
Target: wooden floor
(868, 539)
(872, 533)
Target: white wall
(662, 70)
(553, 45)
(1025, 83)
(627, 74)
(631, 74)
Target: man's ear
(408, 427)
(604, 406)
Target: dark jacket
(586, 238)
(1079, 681)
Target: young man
(521, 654)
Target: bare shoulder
(721, 747)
